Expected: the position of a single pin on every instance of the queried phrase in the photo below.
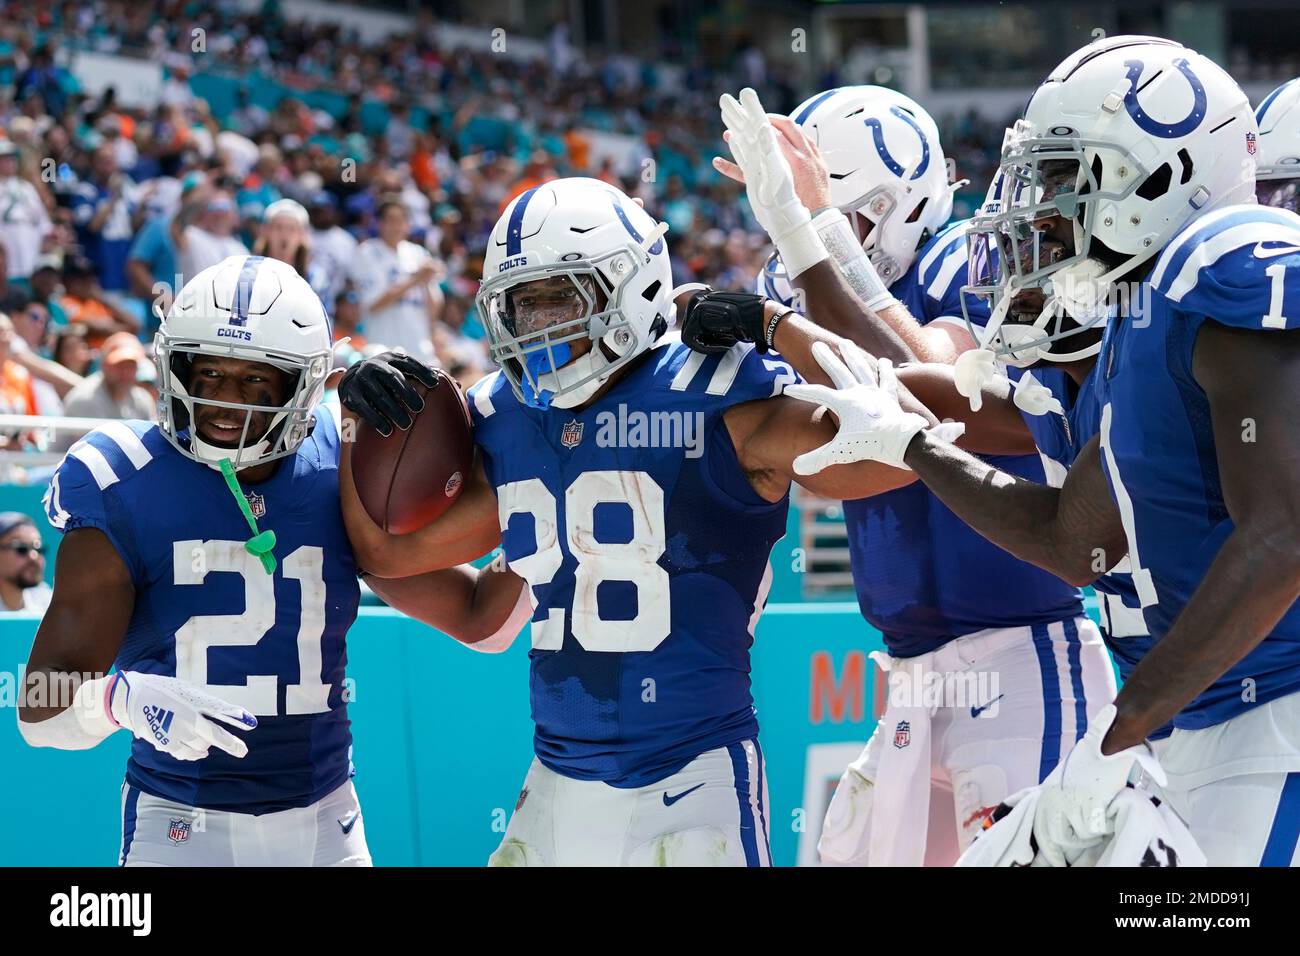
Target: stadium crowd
(108, 208)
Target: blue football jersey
(646, 550)
(207, 612)
(1060, 438)
(1239, 266)
(923, 577)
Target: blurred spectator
(16, 394)
(47, 290)
(25, 221)
(284, 235)
(113, 391)
(204, 232)
(104, 209)
(85, 303)
(396, 280)
(22, 565)
(72, 351)
(153, 259)
(331, 244)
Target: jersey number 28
(597, 561)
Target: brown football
(407, 480)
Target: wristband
(842, 245)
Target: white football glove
(1074, 810)
(1034, 398)
(973, 370)
(872, 425)
(175, 716)
(769, 183)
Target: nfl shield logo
(902, 734)
(178, 831)
(1250, 143)
(571, 434)
(257, 504)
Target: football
(407, 480)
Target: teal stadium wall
(443, 738)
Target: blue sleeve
(757, 375)
(1241, 270)
(74, 499)
(942, 269)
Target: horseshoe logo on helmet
(1153, 126)
(878, 137)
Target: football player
(1135, 163)
(638, 488)
(1277, 171)
(205, 560)
(946, 600)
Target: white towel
(1144, 831)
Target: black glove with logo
(376, 389)
(715, 321)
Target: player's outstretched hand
(872, 424)
(175, 716)
(376, 389)
(1074, 809)
(769, 182)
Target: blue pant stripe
(128, 821)
(748, 835)
(1074, 652)
(762, 813)
(1280, 848)
(1051, 752)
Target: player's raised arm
(482, 609)
(376, 390)
(788, 189)
(1255, 577)
(715, 321)
(70, 700)
(1074, 532)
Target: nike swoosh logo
(1261, 253)
(976, 711)
(669, 801)
(349, 821)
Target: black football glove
(376, 389)
(715, 321)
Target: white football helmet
(1129, 139)
(1277, 172)
(255, 309)
(573, 260)
(888, 173)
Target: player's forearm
(483, 609)
(60, 377)
(1018, 515)
(833, 305)
(998, 428)
(1250, 585)
(795, 337)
